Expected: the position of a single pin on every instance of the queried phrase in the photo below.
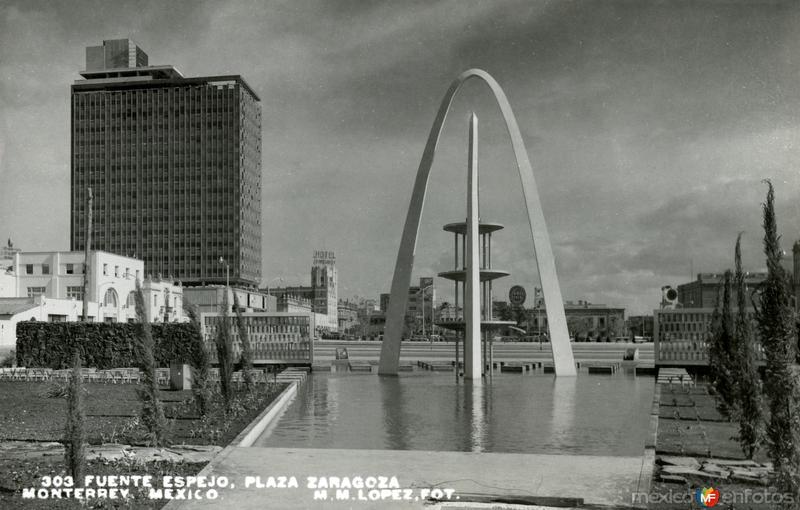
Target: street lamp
(422, 291)
(278, 278)
(227, 271)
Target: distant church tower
(324, 282)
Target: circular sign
(516, 295)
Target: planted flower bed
(34, 412)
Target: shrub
(224, 350)
(244, 340)
(202, 364)
(152, 410)
(8, 359)
(749, 383)
(74, 433)
(721, 364)
(775, 319)
(58, 388)
(102, 345)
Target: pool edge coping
(649, 456)
(246, 437)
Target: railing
(113, 376)
(293, 351)
(693, 352)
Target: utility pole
(87, 249)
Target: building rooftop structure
(13, 306)
(174, 164)
(702, 292)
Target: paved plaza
(608, 481)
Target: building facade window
(28, 268)
(110, 298)
(36, 291)
(45, 268)
(105, 269)
(75, 292)
(69, 269)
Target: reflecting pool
(588, 414)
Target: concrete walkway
(608, 481)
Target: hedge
(102, 345)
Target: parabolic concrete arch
(563, 361)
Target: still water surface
(589, 414)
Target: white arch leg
(563, 360)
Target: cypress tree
(75, 433)
(721, 352)
(202, 364)
(749, 382)
(152, 410)
(775, 320)
(224, 348)
(244, 340)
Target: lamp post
(227, 282)
(280, 279)
(227, 271)
(422, 291)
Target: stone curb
(245, 438)
(250, 433)
(649, 457)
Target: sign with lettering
(516, 295)
(324, 257)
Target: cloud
(649, 126)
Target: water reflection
(563, 409)
(394, 417)
(474, 401)
(593, 415)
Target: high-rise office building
(174, 164)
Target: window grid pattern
(175, 171)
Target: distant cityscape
(174, 168)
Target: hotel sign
(324, 257)
(516, 295)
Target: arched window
(110, 298)
(131, 301)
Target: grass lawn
(29, 414)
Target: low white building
(39, 308)
(208, 298)
(8, 282)
(48, 286)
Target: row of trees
(224, 346)
(580, 327)
(768, 410)
(152, 411)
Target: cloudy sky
(649, 124)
